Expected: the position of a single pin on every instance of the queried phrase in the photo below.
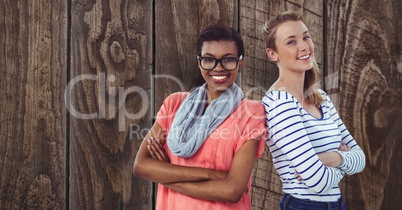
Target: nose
(219, 66)
(303, 45)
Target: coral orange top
(217, 152)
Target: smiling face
(294, 47)
(218, 79)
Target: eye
(307, 37)
(229, 59)
(208, 60)
(292, 42)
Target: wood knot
(117, 52)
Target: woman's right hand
(157, 150)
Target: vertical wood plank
(111, 47)
(258, 75)
(177, 25)
(365, 75)
(33, 118)
(108, 99)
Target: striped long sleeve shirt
(296, 137)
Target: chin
(220, 89)
(309, 67)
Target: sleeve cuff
(343, 164)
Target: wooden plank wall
(33, 124)
(364, 76)
(111, 57)
(83, 80)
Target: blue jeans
(291, 203)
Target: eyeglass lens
(226, 63)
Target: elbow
(137, 168)
(234, 194)
(236, 199)
(359, 165)
(362, 164)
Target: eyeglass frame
(220, 62)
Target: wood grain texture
(258, 75)
(365, 76)
(81, 158)
(177, 25)
(111, 57)
(33, 119)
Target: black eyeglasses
(209, 63)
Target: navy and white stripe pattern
(296, 137)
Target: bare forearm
(230, 188)
(163, 172)
(215, 190)
(331, 159)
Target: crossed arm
(330, 159)
(198, 182)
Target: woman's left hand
(298, 176)
(157, 150)
(344, 147)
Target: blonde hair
(311, 76)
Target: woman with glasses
(310, 146)
(203, 145)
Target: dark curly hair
(217, 32)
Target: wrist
(210, 174)
(340, 158)
(215, 174)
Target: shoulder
(277, 97)
(250, 102)
(323, 93)
(176, 97)
(174, 100)
(251, 106)
(327, 99)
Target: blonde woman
(311, 148)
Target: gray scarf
(190, 127)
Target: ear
(198, 63)
(271, 54)
(241, 62)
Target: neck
(213, 93)
(291, 83)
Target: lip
(219, 78)
(304, 57)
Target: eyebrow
(293, 36)
(227, 54)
